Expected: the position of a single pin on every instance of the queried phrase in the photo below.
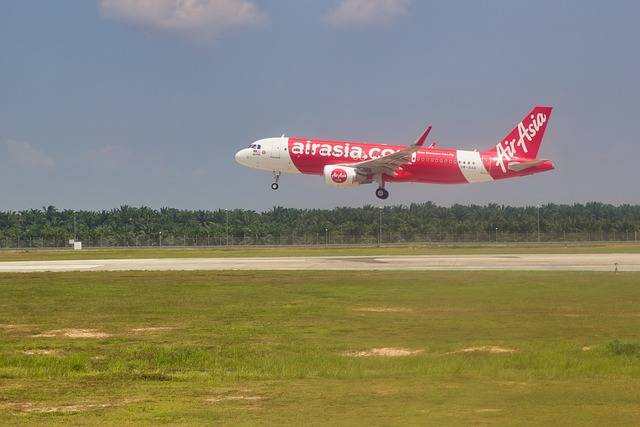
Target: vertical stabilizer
(524, 140)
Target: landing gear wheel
(276, 178)
(381, 193)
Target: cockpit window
(255, 146)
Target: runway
(537, 262)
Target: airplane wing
(389, 163)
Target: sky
(106, 103)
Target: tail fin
(525, 139)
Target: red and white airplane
(349, 164)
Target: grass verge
(287, 251)
(316, 347)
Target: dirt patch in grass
(41, 352)
(514, 383)
(485, 349)
(216, 399)
(150, 329)
(383, 352)
(231, 395)
(73, 333)
(40, 408)
(7, 326)
(13, 326)
(384, 309)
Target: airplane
(350, 164)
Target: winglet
(423, 137)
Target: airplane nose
(241, 157)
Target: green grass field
(242, 348)
(277, 251)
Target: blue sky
(110, 102)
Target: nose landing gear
(382, 193)
(276, 178)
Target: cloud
(203, 19)
(110, 157)
(367, 12)
(25, 155)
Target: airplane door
(275, 150)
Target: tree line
(145, 225)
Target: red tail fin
(525, 139)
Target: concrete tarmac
(539, 262)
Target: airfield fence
(322, 239)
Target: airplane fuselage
(427, 165)
(352, 163)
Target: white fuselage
(270, 154)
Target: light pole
(160, 238)
(496, 234)
(326, 236)
(380, 228)
(227, 215)
(75, 232)
(133, 230)
(538, 223)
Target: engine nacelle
(343, 176)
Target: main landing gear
(276, 178)
(381, 192)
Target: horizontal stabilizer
(520, 166)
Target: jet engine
(343, 176)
